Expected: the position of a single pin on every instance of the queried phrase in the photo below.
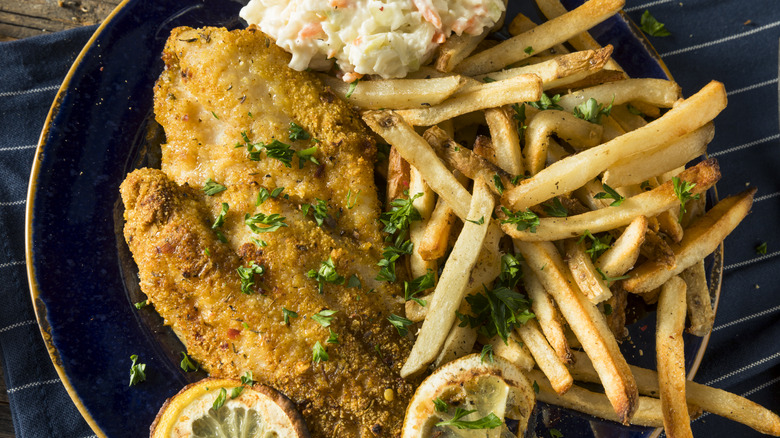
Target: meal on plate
(426, 256)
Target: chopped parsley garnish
(137, 371)
(212, 187)
(486, 354)
(276, 149)
(597, 246)
(480, 221)
(440, 405)
(319, 354)
(247, 276)
(333, 337)
(645, 185)
(235, 392)
(528, 50)
(298, 133)
(488, 79)
(324, 317)
(761, 249)
(186, 363)
(326, 274)
(247, 379)
(305, 155)
(536, 387)
(319, 210)
(352, 87)
(351, 202)
(682, 189)
(141, 304)
(220, 220)
(490, 421)
(609, 279)
(547, 102)
(555, 433)
(274, 222)
(634, 110)
(555, 208)
(259, 242)
(264, 194)
(610, 193)
(287, 314)
(354, 282)
(220, 399)
(401, 214)
(499, 185)
(416, 286)
(525, 220)
(497, 311)
(400, 323)
(592, 111)
(519, 115)
(607, 309)
(651, 26)
(511, 274)
(389, 256)
(215, 115)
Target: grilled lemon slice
(213, 407)
(471, 398)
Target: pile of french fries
(459, 139)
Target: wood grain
(26, 18)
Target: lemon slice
(496, 391)
(257, 412)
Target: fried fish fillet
(220, 89)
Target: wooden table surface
(25, 18)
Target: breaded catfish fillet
(222, 88)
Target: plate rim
(39, 306)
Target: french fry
(588, 279)
(460, 342)
(658, 92)
(566, 126)
(712, 400)
(424, 205)
(616, 312)
(396, 93)
(701, 239)
(397, 177)
(560, 71)
(506, 142)
(452, 284)
(545, 356)
(548, 316)
(670, 358)
(669, 224)
(650, 203)
(540, 38)
(639, 168)
(437, 233)
(521, 24)
(648, 412)
(623, 253)
(456, 49)
(697, 298)
(478, 97)
(419, 154)
(514, 351)
(587, 322)
(574, 171)
(626, 119)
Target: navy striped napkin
(733, 41)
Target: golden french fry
(658, 92)
(713, 400)
(452, 284)
(419, 154)
(540, 38)
(545, 356)
(437, 233)
(574, 171)
(566, 126)
(548, 316)
(513, 350)
(456, 49)
(670, 358)
(648, 412)
(521, 24)
(587, 322)
(584, 272)
(623, 253)
(701, 239)
(396, 93)
(639, 168)
(650, 203)
(424, 205)
(506, 142)
(626, 119)
(477, 97)
(669, 224)
(699, 303)
(460, 342)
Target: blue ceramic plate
(82, 277)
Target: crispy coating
(217, 87)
